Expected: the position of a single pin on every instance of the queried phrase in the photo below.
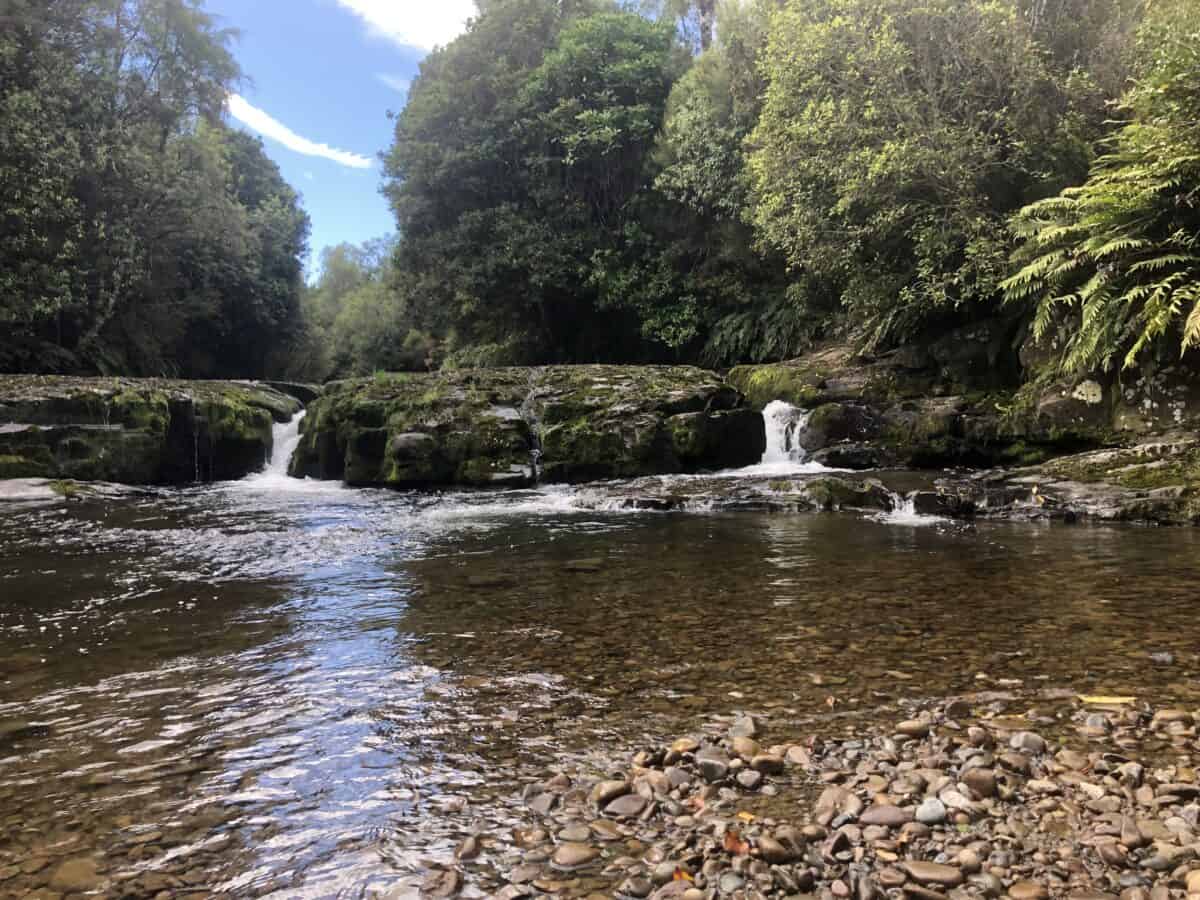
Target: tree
(125, 228)
(517, 163)
(895, 137)
(1112, 267)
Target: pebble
(75, 876)
(743, 726)
(629, 806)
(916, 728)
(746, 748)
(1028, 742)
(931, 812)
(886, 815)
(749, 779)
(713, 764)
(572, 855)
(1028, 890)
(441, 883)
(933, 873)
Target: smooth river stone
(746, 748)
(931, 812)
(713, 764)
(607, 791)
(572, 855)
(886, 815)
(916, 728)
(933, 873)
(1028, 890)
(629, 806)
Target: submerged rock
(504, 426)
(136, 430)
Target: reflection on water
(287, 688)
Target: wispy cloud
(262, 122)
(395, 82)
(414, 23)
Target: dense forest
(138, 233)
(577, 180)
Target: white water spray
(285, 438)
(784, 424)
(784, 455)
(904, 511)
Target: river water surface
(293, 689)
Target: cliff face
(136, 430)
(494, 426)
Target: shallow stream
(294, 689)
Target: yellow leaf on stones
(745, 816)
(1105, 700)
(680, 875)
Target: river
(283, 688)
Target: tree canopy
(138, 233)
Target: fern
(1115, 260)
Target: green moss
(65, 488)
(145, 410)
(1132, 469)
(15, 466)
(762, 384)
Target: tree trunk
(707, 11)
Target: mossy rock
(136, 430)
(484, 427)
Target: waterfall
(285, 438)
(784, 423)
(904, 511)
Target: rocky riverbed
(1087, 799)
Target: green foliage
(518, 162)
(1112, 268)
(895, 136)
(357, 319)
(138, 234)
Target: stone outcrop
(136, 430)
(481, 427)
(957, 403)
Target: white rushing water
(285, 438)
(784, 454)
(904, 512)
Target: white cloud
(265, 125)
(414, 23)
(395, 82)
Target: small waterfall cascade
(904, 511)
(285, 438)
(784, 423)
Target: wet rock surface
(512, 426)
(136, 430)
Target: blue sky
(321, 77)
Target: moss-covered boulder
(136, 430)
(505, 426)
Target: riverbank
(963, 800)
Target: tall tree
(122, 226)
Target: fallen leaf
(1106, 700)
(746, 816)
(680, 875)
(734, 844)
